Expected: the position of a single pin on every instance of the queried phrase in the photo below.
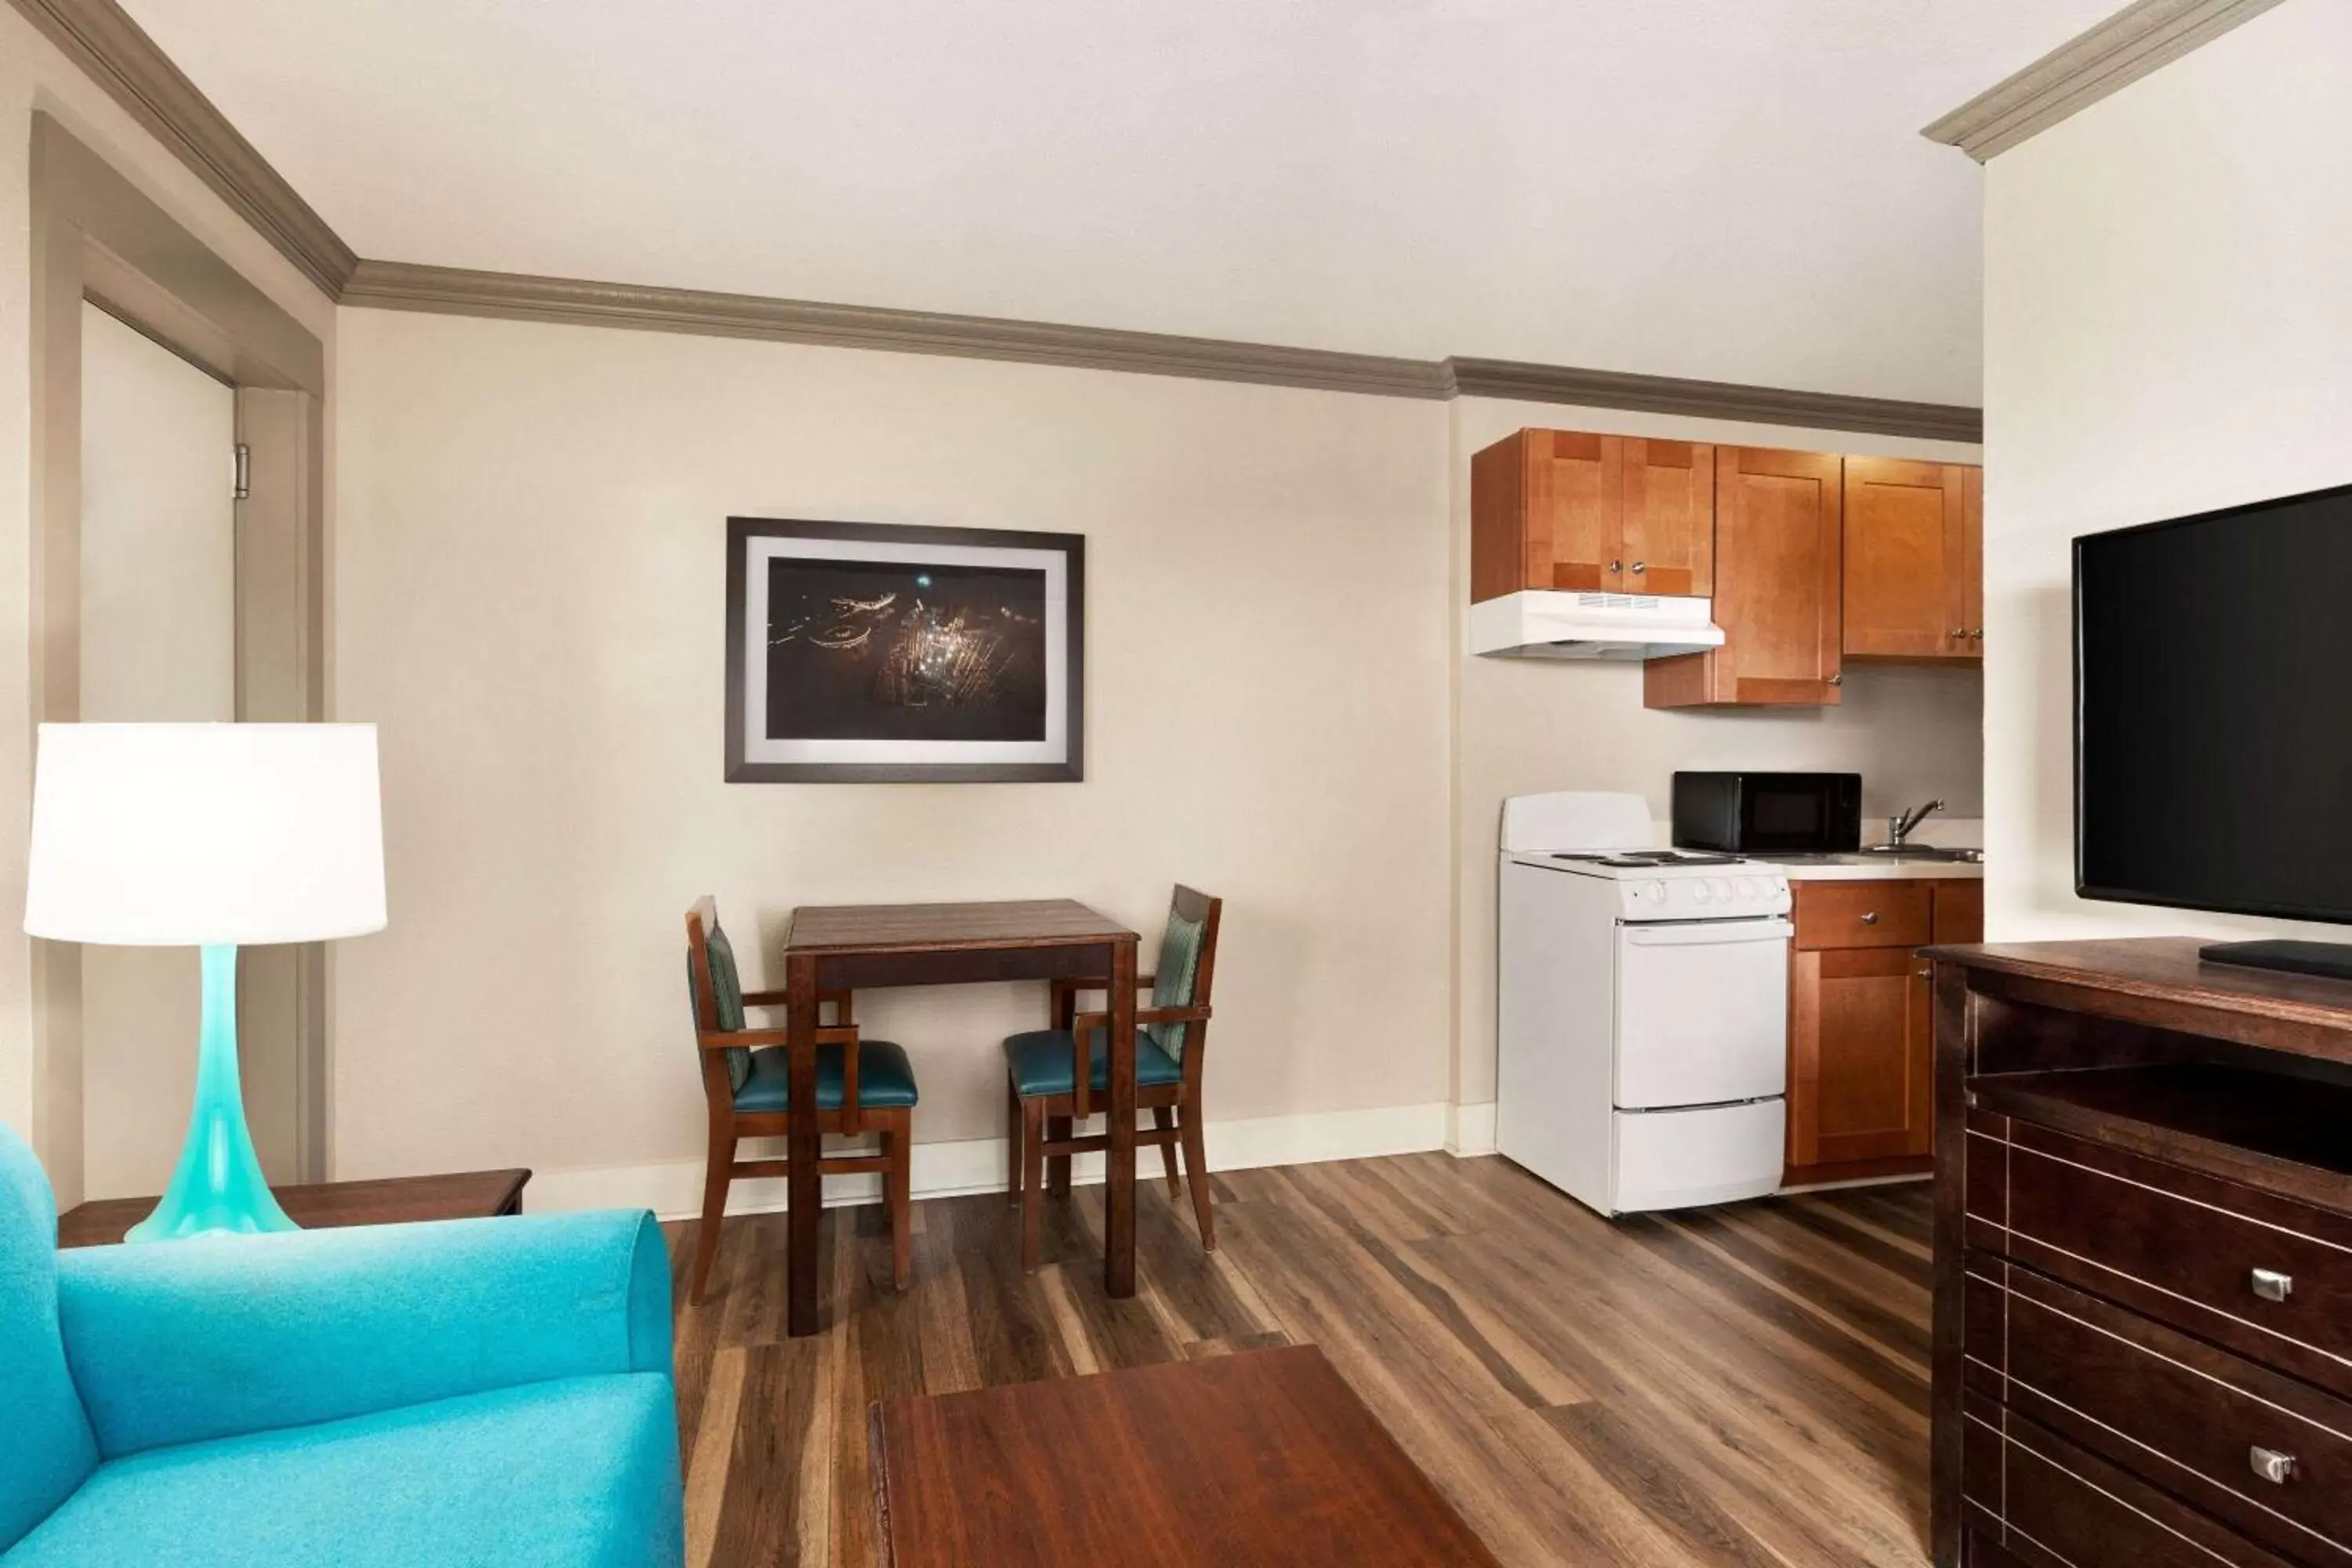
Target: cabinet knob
(1977, 634)
(1838, 680)
(2271, 1465)
(1870, 918)
(1616, 566)
(1639, 566)
(2270, 1285)
(1959, 631)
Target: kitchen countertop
(1868, 868)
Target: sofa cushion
(49, 1447)
(572, 1473)
(1040, 1062)
(886, 1078)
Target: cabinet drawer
(2178, 1412)
(2265, 1277)
(2048, 1502)
(1863, 914)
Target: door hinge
(241, 474)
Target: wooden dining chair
(1052, 1094)
(860, 1084)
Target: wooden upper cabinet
(1914, 583)
(1669, 517)
(1779, 543)
(1560, 510)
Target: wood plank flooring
(1741, 1386)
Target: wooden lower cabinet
(1861, 1026)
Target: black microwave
(1763, 814)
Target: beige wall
(33, 75)
(1528, 725)
(531, 559)
(2166, 311)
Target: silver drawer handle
(2273, 1286)
(1871, 919)
(2271, 1465)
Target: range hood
(1539, 623)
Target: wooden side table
(392, 1200)
(1260, 1460)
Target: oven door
(1702, 1013)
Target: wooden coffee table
(1262, 1457)
(393, 1200)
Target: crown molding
(116, 53)
(1714, 400)
(2120, 50)
(451, 290)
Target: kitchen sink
(1924, 852)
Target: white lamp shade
(189, 835)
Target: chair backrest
(715, 987)
(49, 1450)
(1187, 966)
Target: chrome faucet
(1898, 827)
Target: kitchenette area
(1707, 985)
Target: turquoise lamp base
(218, 1188)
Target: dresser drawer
(2054, 1503)
(2268, 1278)
(2264, 1453)
(1863, 914)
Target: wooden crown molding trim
(1715, 400)
(2120, 50)
(450, 290)
(116, 53)
(405, 286)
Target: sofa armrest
(183, 1341)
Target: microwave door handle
(1709, 933)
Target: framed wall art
(862, 652)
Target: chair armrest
(1089, 1021)
(183, 1341)
(747, 1039)
(1101, 983)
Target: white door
(158, 642)
(1702, 1013)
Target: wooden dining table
(862, 947)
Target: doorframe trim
(96, 237)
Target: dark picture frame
(889, 653)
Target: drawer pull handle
(1871, 919)
(2271, 1465)
(2273, 1286)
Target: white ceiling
(1733, 189)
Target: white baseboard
(674, 1189)
(1473, 1130)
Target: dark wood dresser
(2143, 1345)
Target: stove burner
(1653, 858)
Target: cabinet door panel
(1860, 1052)
(1972, 556)
(1905, 559)
(1959, 910)
(1575, 506)
(1669, 517)
(1778, 550)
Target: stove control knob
(1655, 892)
(1700, 890)
(1721, 888)
(1749, 888)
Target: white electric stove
(1642, 1017)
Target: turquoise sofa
(479, 1393)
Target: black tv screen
(2213, 710)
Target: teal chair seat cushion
(578, 1471)
(1041, 1060)
(886, 1079)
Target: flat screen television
(2213, 718)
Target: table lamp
(213, 836)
